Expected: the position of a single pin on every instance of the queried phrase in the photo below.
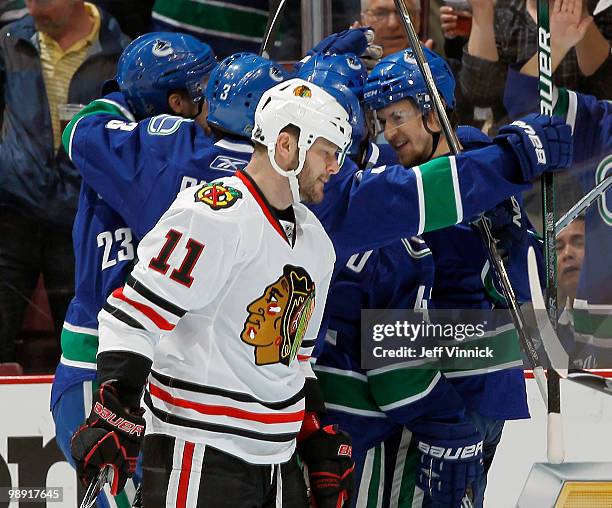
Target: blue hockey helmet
(342, 76)
(234, 89)
(397, 77)
(156, 63)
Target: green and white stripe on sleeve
(439, 197)
(97, 107)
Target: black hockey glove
(110, 436)
(327, 453)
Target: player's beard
(311, 188)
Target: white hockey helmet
(310, 108)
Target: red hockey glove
(327, 453)
(111, 436)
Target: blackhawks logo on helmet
(302, 91)
(217, 196)
(278, 319)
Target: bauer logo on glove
(459, 453)
(120, 423)
(535, 140)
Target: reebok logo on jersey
(217, 196)
(535, 140)
(459, 453)
(121, 423)
(226, 163)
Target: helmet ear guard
(315, 112)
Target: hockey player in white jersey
(229, 282)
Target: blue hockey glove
(507, 225)
(449, 461)
(541, 143)
(353, 40)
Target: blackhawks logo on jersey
(278, 319)
(217, 196)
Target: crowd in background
(55, 55)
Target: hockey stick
(94, 488)
(555, 450)
(483, 228)
(559, 358)
(582, 204)
(274, 19)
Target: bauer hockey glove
(327, 453)
(541, 143)
(110, 436)
(449, 461)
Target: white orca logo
(275, 74)
(162, 48)
(408, 58)
(353, 63)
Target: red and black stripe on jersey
(141, 301)
(226, 405)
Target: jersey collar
(270, 212)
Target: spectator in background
(382, 16)
(389, 31)
(570, 253)
(229, 27)
(11, 10)
(59, 54)
(506, 35)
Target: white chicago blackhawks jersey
(227, 308)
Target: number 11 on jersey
(182, 275)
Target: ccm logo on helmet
(120, 423)
(535, 140)
(462, 452)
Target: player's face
(402, 122)
(263, 326)
(320, 164)
(570, 254)
(51, 16)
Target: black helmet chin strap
(200, 105)
(435, 136)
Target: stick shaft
(274, 19)
(582, 204)
(449, 133)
